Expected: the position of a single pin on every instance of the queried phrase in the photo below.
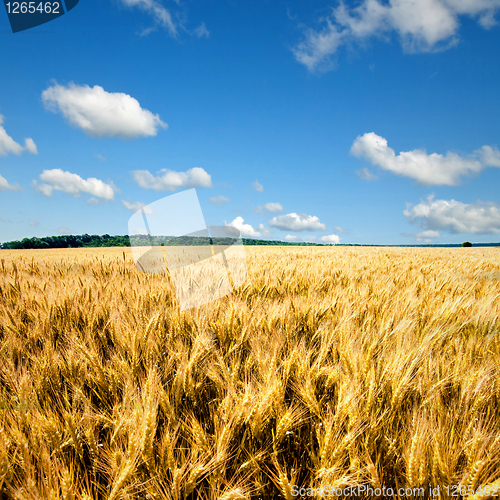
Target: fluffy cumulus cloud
(330, 238)
(454, 217)
(169, 180)
(59, 180)
(10, 146)
(219, 200)
(246, 230)
(422, 26)
(427, 169)
(258, 186)
(5, 185)
(297, 222)
(272, 207)
(99, 113)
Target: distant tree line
(69, 241)
(248, 241)
(94, 240)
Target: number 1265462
(33, 7)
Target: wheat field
(330, 367)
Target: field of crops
(331, 367)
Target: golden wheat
(330, 366)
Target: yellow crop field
(375, 369)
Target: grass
(329, 366)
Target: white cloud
(59, 180)
(490, 157)
(455, 217)
(422, 26)
(219, 200)
(246, 230)
(34, 223)
(427, 236)
(9, 145)
(365, 174)
(64, 230)
(44, 189)
(272, 207)
(291, 237)
(4, 184)
(427, 169)
(171, 19)
(362, 21)
(160, 14)
(30, 146)
(484, 10)
(339, 229)
(317, 47)
(297, 222)
(99, 113)
(258, 186)
(201, 31)
(331, 238)
(169, 180)
(100, 157)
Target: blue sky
(360, 122)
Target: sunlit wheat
(329, 366)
